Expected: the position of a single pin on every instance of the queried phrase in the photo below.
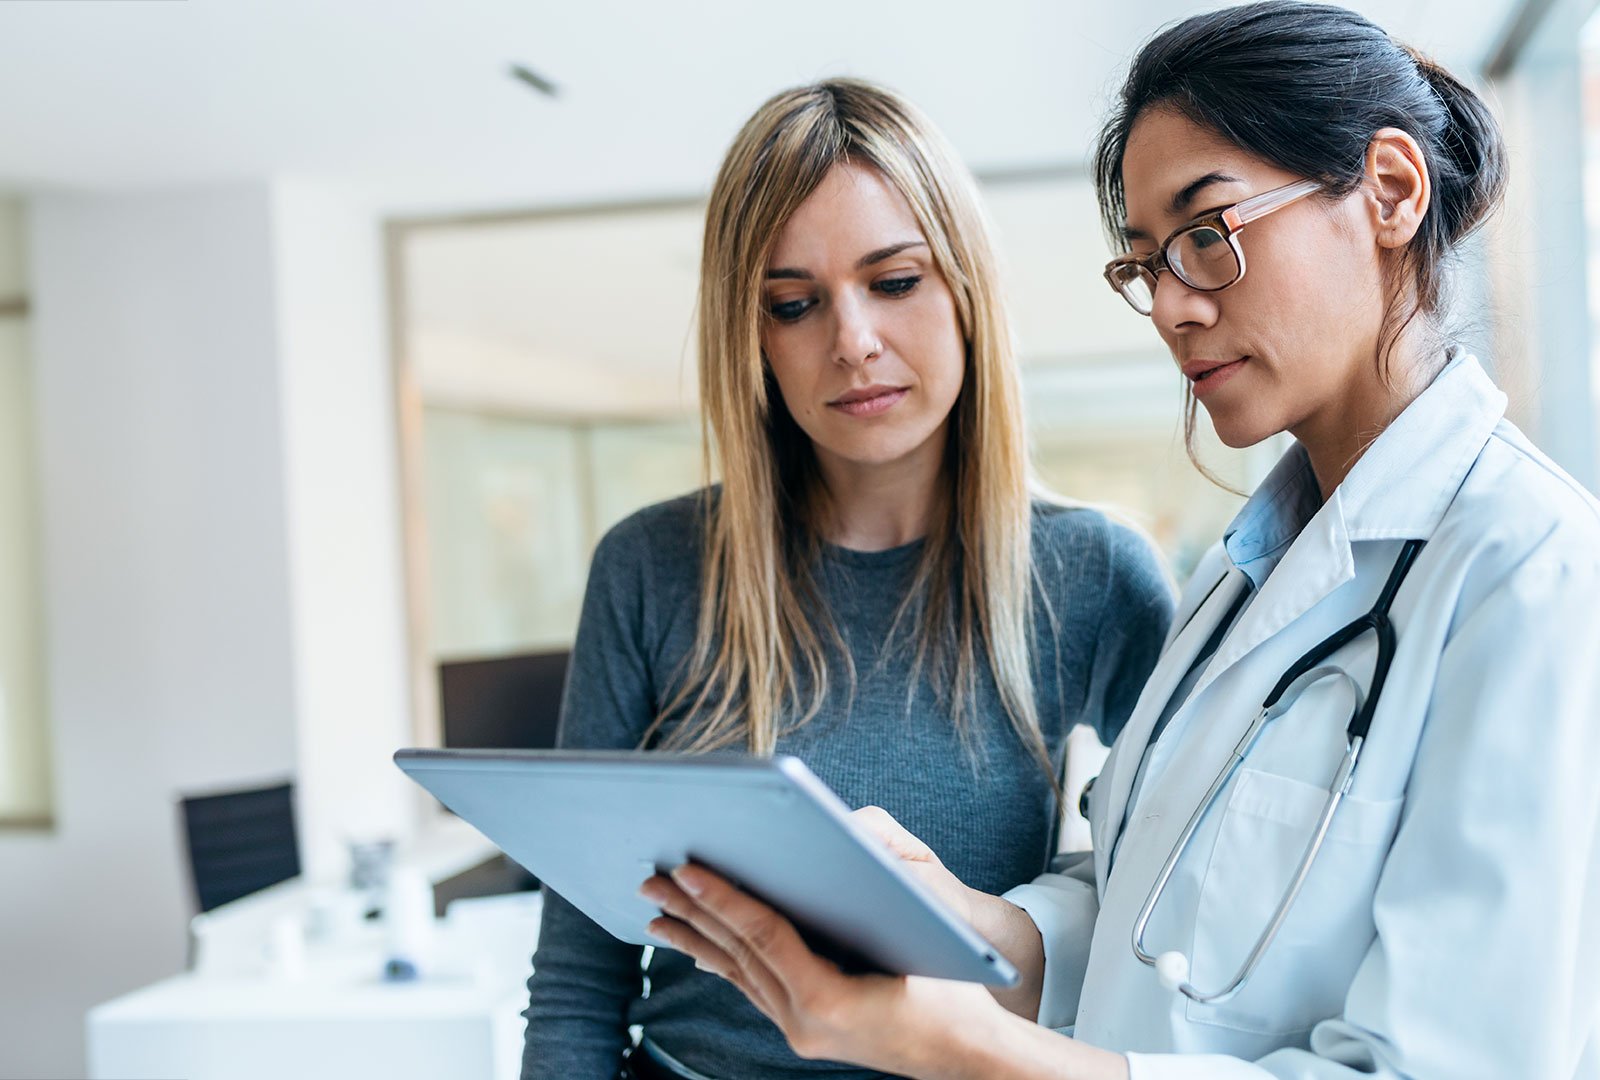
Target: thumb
(879, 823)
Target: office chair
(240, 842)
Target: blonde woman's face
(861, 330)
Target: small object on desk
(399, 969)
(408, 924)
(333, 912)
(286, 948)
(371, 861)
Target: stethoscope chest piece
(1172, 968)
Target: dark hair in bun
(1305, 86)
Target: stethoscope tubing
(1308, 669)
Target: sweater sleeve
(1134, 617)
(584, 979)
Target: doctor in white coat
(1449, 922)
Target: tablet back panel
(594, 825)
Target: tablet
(594, 824)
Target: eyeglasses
(1204, 254)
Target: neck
(1336, 436)
(877, 507)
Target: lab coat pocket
(1304, 975)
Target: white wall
(222, 585)
(351, 703)
(161, 479)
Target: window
(1545, 257)
(24, 751)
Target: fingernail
(651, 892)
(688, 881)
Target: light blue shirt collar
(1280, 508)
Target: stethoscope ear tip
(1172, 968)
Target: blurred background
(332, 338)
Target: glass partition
(547, 389)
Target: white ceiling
(412, 101)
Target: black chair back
(240, 842)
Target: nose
(856, 340)
(1178, 308)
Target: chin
(874, 452)
(1239, 432)
(870, 456)
(1238, 440)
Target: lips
(1208, 376)
(864, 393)
(1195, 370)
(868, 400)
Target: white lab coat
(1451, 927)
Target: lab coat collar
(1399, 490)
(1297, 552)
(1404, 483)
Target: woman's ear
(1397, 185)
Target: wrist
(960, 1051)
(988, 914)
(999, 1045)
(1008, 928)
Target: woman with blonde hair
(872, 587)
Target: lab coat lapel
(1399, 490)
(1317, 563)
(1123, 764)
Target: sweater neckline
(887, 557)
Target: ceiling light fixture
(525, 74)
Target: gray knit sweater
(988, 816)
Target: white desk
(336, 1019)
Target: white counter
(327, 1013)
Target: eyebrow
(869, 259)
(1178, 205)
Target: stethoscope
(1173, 967)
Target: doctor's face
(861, 331)
(1293, 342)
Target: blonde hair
(759, 665)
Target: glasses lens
(1203, 258)
(1135, 286)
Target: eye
(790, 310)
(1204, 238)
(897, 286)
